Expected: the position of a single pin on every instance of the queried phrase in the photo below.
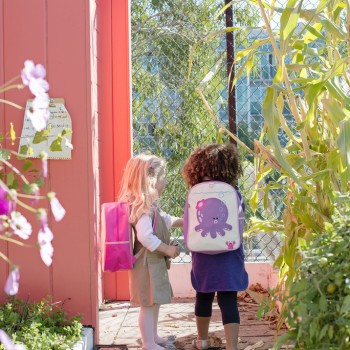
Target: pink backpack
(118, 237)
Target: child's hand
(173, 251)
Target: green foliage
(39, 326)
(319, 300)
(312, 83)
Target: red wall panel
(57, 33)
(116, 109)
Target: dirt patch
(260, 334)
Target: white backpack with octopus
(212, 213)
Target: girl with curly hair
(224, 273)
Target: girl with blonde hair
(142, 184)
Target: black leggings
(227, 302)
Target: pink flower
(36, 195)
(42, 216)
(33, 76)
(45, 236)
(8, 343)
(12, 282)
(4, 203)
(57, 210)
(20, 226)
(43, 156)
(31, 71)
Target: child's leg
(157, 338)
(146, 324)
(230, 318)
(165, 342)
(203, 311)
(202, 327)
(231, 335)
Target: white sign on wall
(55, 140)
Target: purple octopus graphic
(212, 214)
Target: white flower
(67, 143)
(20, 226)
(45, 236)
(57, 210)
(39, 113)
(12, 282)
(44, 156)
(8, 343)
(38, 86)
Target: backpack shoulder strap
(155, 218)
(154, 225)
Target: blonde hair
(138, 185)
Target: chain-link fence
(169, 117)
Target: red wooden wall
(85, 47)
(116, 104)
(60, 34)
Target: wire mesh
(170, 119)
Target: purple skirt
(220, 272)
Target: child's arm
(172, 251)
(150, 241)
(145, 234)
(172, 221)
(177, 222)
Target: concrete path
(119, 326)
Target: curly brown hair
(218, 162)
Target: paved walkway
(119, 326)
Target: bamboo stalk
(211, 113)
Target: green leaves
(272, 121)
(320, 295)
(345, 308)
(39, 325)
(5, 154)
(343, 142)
(56, 145)
(309, 103)
(288, 22)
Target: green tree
(169, 118)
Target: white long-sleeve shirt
(145, 231)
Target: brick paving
(119, 326)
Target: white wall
(258, 272)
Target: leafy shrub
(319, 305)
(40, 326)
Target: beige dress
(149, 280)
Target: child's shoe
(200, 344)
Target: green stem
(29, 196)
(11, 81)
(25, 206)
(200, 93)
(11, 104)
(3, 256)
(10, 87)
(348, 25)
(15, 241)
(289, 90)
(15, 170)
